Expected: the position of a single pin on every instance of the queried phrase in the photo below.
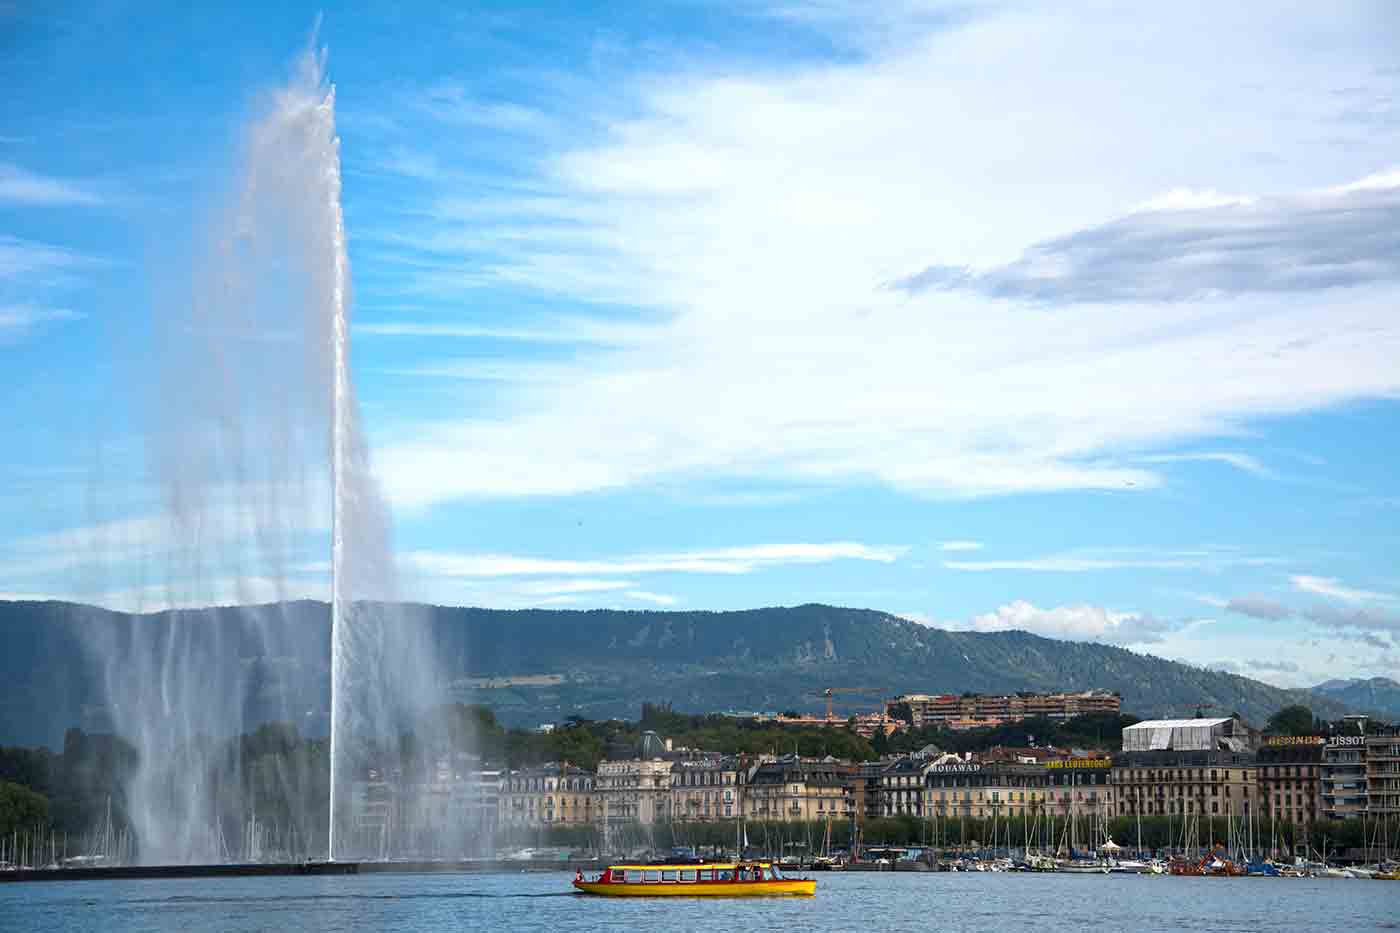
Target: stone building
(902, 787)
(553, 794)
(708, 788)
(1192, 767)
(793, 788)
(634, 790)
(1290, 778)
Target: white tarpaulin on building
(1181, 735)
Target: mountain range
(1379, 696)
(269, 662)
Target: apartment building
(973, 711)
(554, 794)
(793, 788)
(1200, 767)
(634, 790)
(1290, 778)
(709, 788)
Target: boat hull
(786, 888)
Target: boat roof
(673, 866)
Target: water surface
(519, 903)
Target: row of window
(692, 875)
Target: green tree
(1291, 720)
(21, 809)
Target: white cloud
(756, 213)
(20, 186)
(1239, 461)
(1121, 559)
(1332, 587)
(960, 546)
(735, 560)
(20, 320)
(1075, 623)
(563, 587)
(30, 258)
(657, 599)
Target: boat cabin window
(774, 874)
(616, 877)
(707, 874)
(687, 874)
(652, 875)
(725, 874)
(668, 874)
(634, 876)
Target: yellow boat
(1387, 875)
(726, 879)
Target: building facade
(1066, 787)
(902, 787)
(553, 794)
(974, 711)
(1188, 767)
(792, 789)
(709, 788)
(1344, 777)
(1383, 773)
(633, 791)
(1290, 778)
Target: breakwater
(261, 869)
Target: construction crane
(830, 693)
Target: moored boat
(732, 879)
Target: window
(634, 876)
(669, 874)
(651, 875)
(724, 874)
(707, 874)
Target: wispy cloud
(1091, 561)
(752, 213)
(1334, 588)
(1240, 461)
(656, 599)
(566, 332)
(736, 560)
(960, 546)
(1357, 618)
(1251, 667)
(17, 321)
(1258, 607)
(30, 258)
(20, 186)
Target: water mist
(258, 456)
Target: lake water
(517, 903)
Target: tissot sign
(1346, 741)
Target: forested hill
(543, 665)
(1379, 696)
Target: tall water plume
(259, 458)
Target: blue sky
(992, 316)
